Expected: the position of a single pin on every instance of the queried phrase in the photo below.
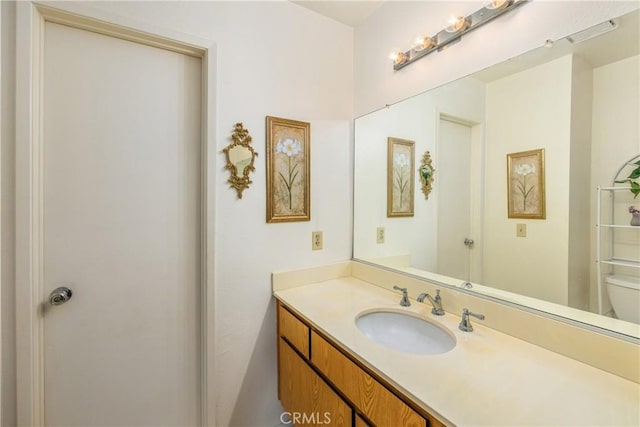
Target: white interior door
(454, 201)
(122, 202)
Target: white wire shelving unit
(611, 260)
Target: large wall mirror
(575, 105)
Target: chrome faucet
(436, 303)
(465, 323)
(404, 301)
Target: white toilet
(624, 293)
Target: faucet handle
(465, 323)
(404, 301)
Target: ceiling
(352, 13)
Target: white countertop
(488, 379)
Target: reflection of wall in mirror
(562, 126)
(240, 157)
(615, 140)
(575, 163)
(525, 111)
(415, 119)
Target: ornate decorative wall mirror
(240, 156)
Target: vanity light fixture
(458, 26)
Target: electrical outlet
(316, 240)
(521, 230)
(380, 235)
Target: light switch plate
(316, 240)
(521, 230)
(380, 235)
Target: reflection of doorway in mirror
(458, 244)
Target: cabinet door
(291, 328)
(374, 400)
(306, 398)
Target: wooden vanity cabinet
(373, 399)
(307, 398)
(294, 331)
(359, 422)
(315, 377)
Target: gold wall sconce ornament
(240, 156)
(457, 27)
(426, 174)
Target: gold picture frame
(288, 170)
(525, 185)
(400, 177)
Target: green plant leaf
(635, 189)
(635, 173)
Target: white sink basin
(405, 333)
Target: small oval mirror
(240, 157)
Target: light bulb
(397, 57)
(457, 24)
(497, 4)
(423, 43)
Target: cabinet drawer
(370, 397)
(308, 400)
(293, 330)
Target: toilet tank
(624, 293)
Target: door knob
(60, 295)
(468, 242)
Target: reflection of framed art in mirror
(400, 177)
(525, 184)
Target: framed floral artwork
(400, 177)
(288, 170)
(525, 185)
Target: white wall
(415, 119)
(616, 104)
(272, 58)
(513, 126)
(396, 24)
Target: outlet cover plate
(316, 240)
